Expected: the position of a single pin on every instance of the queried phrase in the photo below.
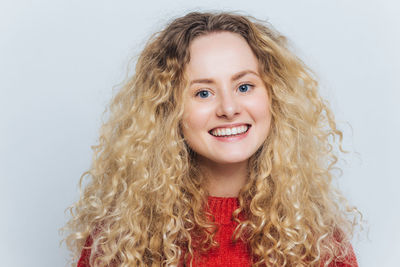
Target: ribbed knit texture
(229, 254)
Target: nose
(228, 106)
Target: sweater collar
(222, 208)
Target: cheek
(194, 126)
(190, 120)
(191, 124)
(260, 107)
(261, 114)
(196, 117)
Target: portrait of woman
(218, 151)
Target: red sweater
(228, 253)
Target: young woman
(217, 152)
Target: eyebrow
(235, 77)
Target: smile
(226, 132)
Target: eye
(245, 88)
(203, 93)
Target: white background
(59, 61)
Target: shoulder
(349, 259)
(85, 254)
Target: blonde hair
(144, 203)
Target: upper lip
(230, 125)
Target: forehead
(221, 53)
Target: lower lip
(233, 138)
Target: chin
(232, 159)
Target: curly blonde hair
(144, 202)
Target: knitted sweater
(228, 253)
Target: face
(226, 116)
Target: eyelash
(249, 85)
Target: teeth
(229, 131)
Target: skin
(225, 88)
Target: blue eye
(203, 93)
(245, 88)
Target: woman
(217, 152)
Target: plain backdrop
(59, 62)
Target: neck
(224, 180)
